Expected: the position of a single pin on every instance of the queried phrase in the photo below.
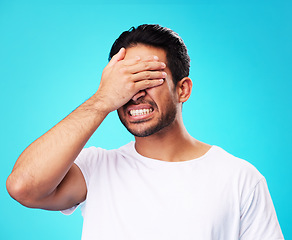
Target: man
(166, 184)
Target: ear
(184, 89)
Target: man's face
(156, 107)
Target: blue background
(51, 59)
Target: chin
(149, 126)
(145, 131)
(141, 131)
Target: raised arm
(45, 175)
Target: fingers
(146, 66)
(148, 75)
(124, 77)
(141, 85)
(148, 71)
(137, 59)
(143, 69)
(117, 57)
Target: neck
(172, 144)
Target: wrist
(98, 104)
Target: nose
(138, 95)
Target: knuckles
(146, 66)
(147, 83)
(147, 75)
(123, 70)
(130, 87)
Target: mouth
(140, 112)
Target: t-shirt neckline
(161, 162)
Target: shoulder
(224, 159)
(96, 154)
(232, 168)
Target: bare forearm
(43, 165)
(43, 175)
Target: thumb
(117, 57)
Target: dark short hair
(154, 35)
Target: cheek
(152, 91)
(157, 93)
(164, 94)
(120, 112)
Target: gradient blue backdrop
(51, 59)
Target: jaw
(147, 122)
(138, 121)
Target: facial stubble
(162, 122)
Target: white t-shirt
(216, 196)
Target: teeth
(140, 111)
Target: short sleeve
(87, 161)
(258, 217)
